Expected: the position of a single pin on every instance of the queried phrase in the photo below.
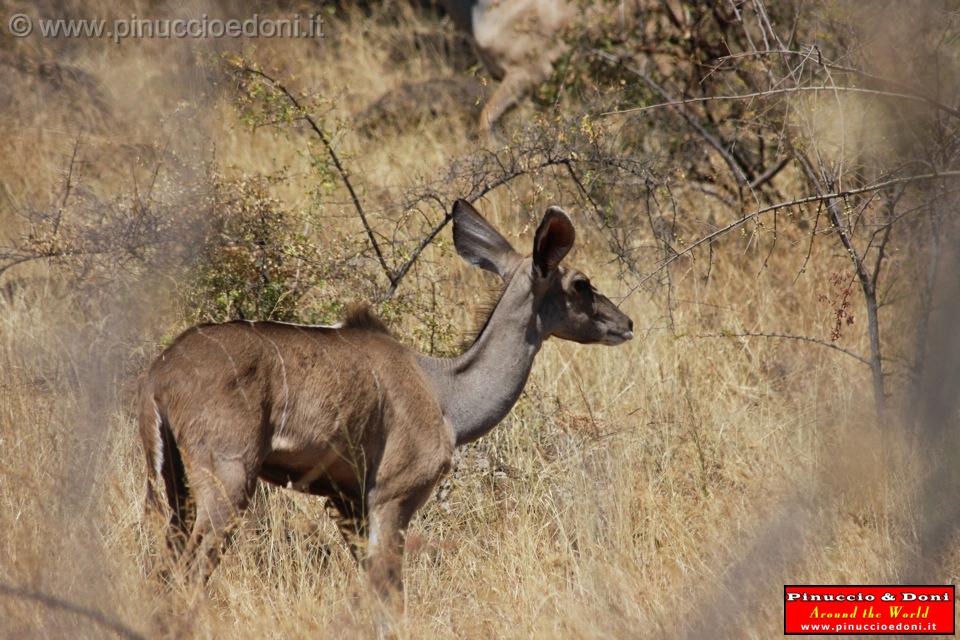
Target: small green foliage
(262, 259)
(258, 261)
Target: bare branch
(67, 187)
(786, 90)
(344, 176)
(12, 260)
(905, 88)
(737, 166)
(478, 192)
(783, 205)
(786, 336)
(770, 173)
(867, 283)
(54, 602)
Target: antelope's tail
(167, 491)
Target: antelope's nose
(629, 334)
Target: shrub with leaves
(259, 261)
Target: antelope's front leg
(387, 525)
(384, 561)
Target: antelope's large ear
(554, 239)
(480, 244)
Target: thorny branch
(67, 187)
(737, 166)
(344, 176)
(784, 91)
(827, 197)
(396, 276)
(905, 89)
(787, 336)
(476, 193)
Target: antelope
(516, 40)
(347, 412)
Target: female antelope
(348, 412)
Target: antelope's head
(562, 298)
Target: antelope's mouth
(614, 337)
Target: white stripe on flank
(158, 445)
(233, 364)
(280, 442)
(283, 371)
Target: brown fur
(341, 413)
(362, 316)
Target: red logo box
(868, 609)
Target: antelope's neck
(478, 388)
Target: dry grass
(626, 483)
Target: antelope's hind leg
(222, 491)
(171, 484)
(351, 522)
(167, 507)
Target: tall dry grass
(632, 492)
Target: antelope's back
(251, 388)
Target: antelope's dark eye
(582, 287)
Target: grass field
(668, 487)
